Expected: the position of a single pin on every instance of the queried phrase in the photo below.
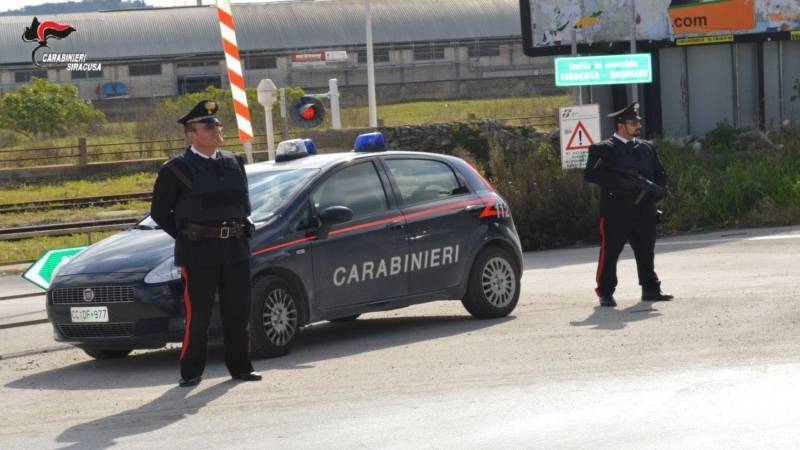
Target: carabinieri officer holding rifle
(631, 180)
(200, 198)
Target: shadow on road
(617, 319)
(172, 406)
(318, 342)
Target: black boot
(607, 300)
(656, 296)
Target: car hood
(129, 251)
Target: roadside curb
(13, 269)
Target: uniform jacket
(169, 189)
(618, 191)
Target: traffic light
(308, 112)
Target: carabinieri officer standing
(200, 199)
(625, 214)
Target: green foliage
(738, 188)
(721, 139)
(161, 123)
(796, 87)
(42, 108)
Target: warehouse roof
(269, 26)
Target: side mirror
(331, 216)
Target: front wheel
(493, 286)
(274, 317)
(98, 353)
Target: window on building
(139, 70)
(261, 62)
(23, 76)
(207, 63)
(190, 84)
(479, 50)
(379, 55)
(83, 74)
(427, 52)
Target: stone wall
(473, 136)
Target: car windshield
(269, 191)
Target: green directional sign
(41, 272)
(611, 69)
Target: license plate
(89, 314)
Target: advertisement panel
(549, 26)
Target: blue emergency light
(311, 148)
(370, 142)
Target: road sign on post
(41, 272)
(611, 69)
(580, 128)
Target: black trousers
(201, 283)
(638, 227)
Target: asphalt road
(717, 367)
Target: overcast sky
(17, 4)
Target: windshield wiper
(139, 226)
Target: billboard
(549, 26)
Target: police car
(337, 235)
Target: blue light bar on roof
(370, 142)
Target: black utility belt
(196, 232)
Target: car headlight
(166, 271)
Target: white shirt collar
(197, 152)
(624, 141)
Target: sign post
(41, 272)
(580, 128)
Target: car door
(359, 261)
(442, 225)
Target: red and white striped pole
(228, 31)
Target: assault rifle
(641, 182)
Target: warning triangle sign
(580, 139)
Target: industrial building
(423, 49)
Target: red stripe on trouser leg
(187, 304)
(601, 264)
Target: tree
(42, 108)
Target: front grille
(96, 330)
(102, 294)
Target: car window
(357, 187)
(270, 190)
(421, 180)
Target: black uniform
(203, 204)
(620, 219)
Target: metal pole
(373, 109)
(270, 134)
(780, 84)
(284, 118)
(333, 93)
(634, 87)
(737, 106)
(577, 92)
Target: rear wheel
(493, 286)
(98, 353)
(274, 317)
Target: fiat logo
(88, 295)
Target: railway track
(60, 229)
(73, 203)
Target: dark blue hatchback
(337, 235)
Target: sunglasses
(209, 126)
